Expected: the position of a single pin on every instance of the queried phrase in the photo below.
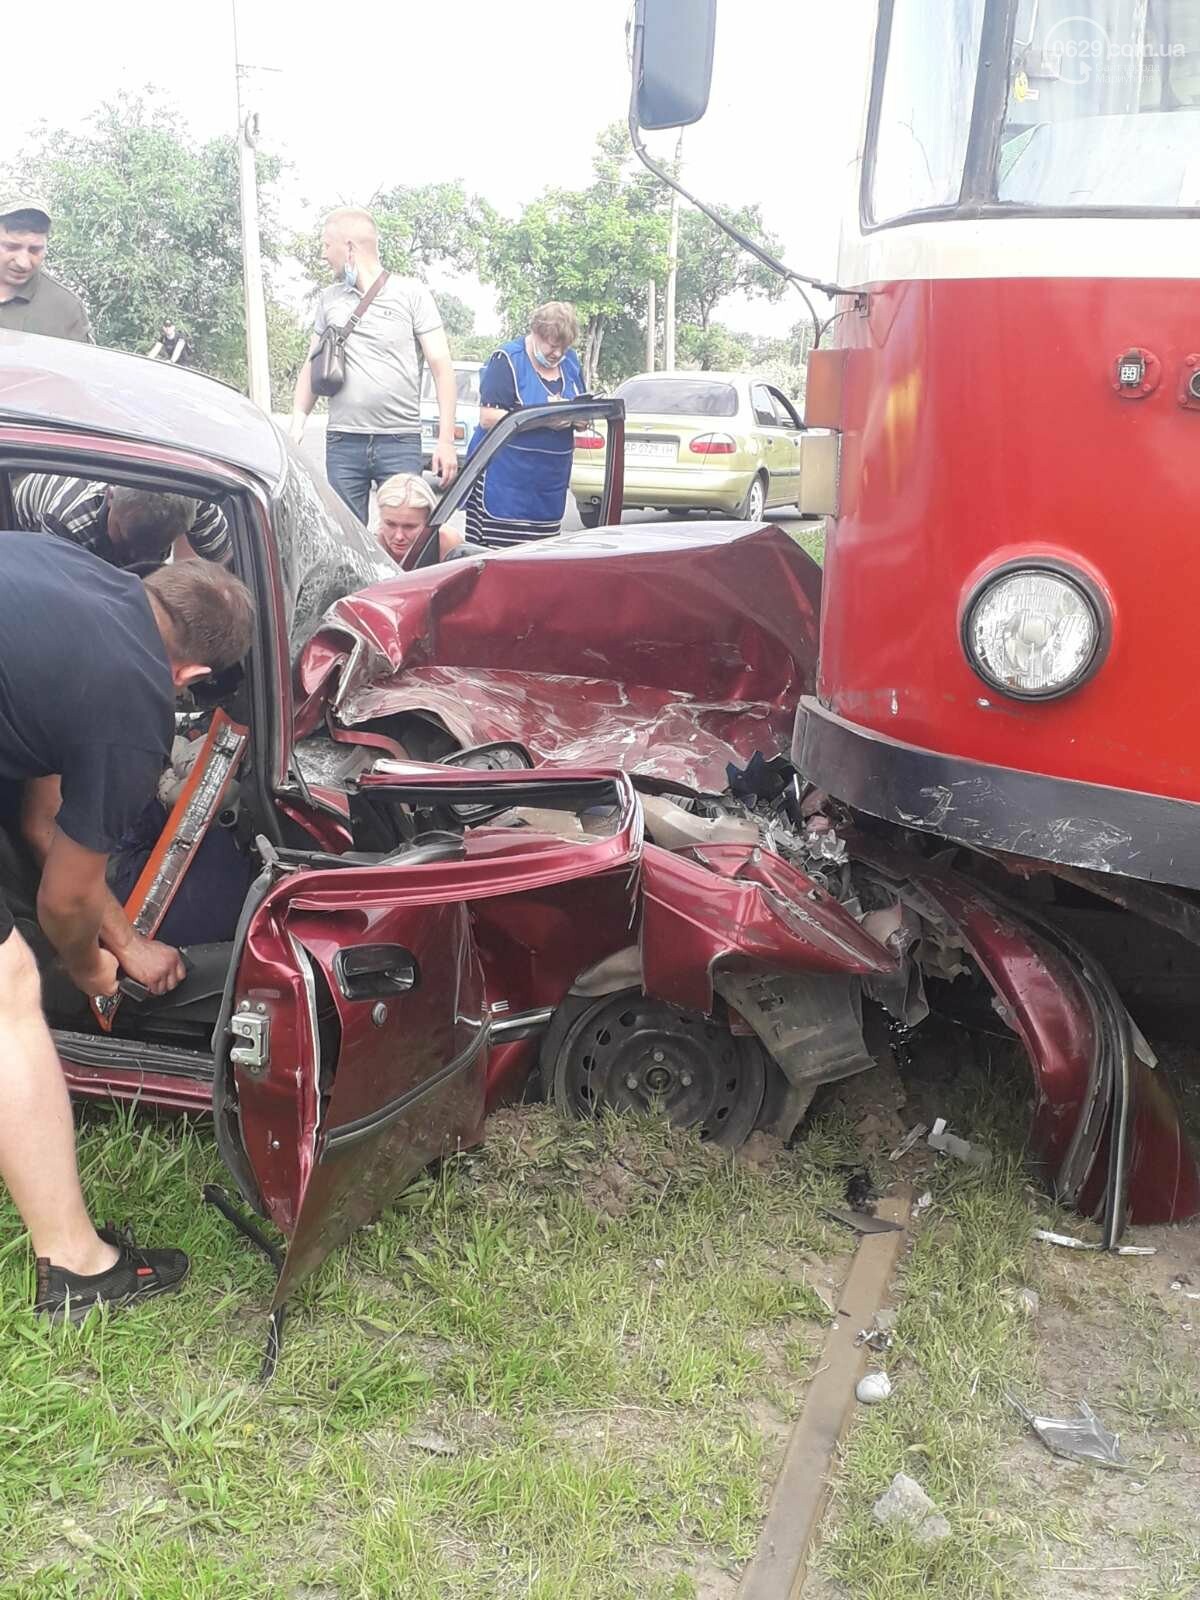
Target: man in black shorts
(90, 659)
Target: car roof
(690, 375)
(61, 383)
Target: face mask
(350, 275)
(543, 359)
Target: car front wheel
(628, 1052)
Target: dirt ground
(1122, 1334)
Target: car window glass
(784, 414)
(467, 382)
(324, 552)
(764, 411)
(679, 397)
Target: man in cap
(31, 301)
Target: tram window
(1103, 109)
(924, 119)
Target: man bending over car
(130, 527)
(90, 660)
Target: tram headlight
(1035, 632)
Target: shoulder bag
(327, 364)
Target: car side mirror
(673, 61)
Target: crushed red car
(527, 817)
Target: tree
(714, 349)
(459, 322)
(457, 317)
(147, 227)
(420, 226)
(596, 247)
(431, 224)
(712, 265)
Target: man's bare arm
(303, 398)
(159, 966)
(436, 350)
(70, 906)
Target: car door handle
(375, 971)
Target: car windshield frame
(691, 383)
(988, 159)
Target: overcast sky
(506, 96)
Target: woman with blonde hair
(523, 493)
(405, 504)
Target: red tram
(1007, 648)
(1008, 683)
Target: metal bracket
(253, 1028)
(215, 1196)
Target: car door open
(352, 1045)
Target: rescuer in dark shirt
(90, 659)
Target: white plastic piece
(873, 1388)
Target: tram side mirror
(674, 61)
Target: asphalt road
(312, 448)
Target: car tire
(712, 1079)
(754, 506)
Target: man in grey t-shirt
(374, 419)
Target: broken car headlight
(1035, 631)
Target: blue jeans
(355, 461)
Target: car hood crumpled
(669, 652)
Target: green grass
(811, 537)
(500, 1389)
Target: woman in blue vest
(523, 493)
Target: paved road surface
(312, 448)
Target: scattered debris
(1081, 1438)
(874, 1339)
(914, 1135)
(879, 1335)
(949, 1144)
(873, 1388)
(906, 1503)
(1069, 1242)
(1180, 1285)
(1028, 1301)
(860, 1190)
(860, 1221)
(924, 1202)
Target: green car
(699, 441)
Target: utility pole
(672, 267)
(651, 319)
(257, 357)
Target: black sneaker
(137, 1275)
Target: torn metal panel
(728, 906)
(493, 650)
(810, 1023)
(1081, 1438)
